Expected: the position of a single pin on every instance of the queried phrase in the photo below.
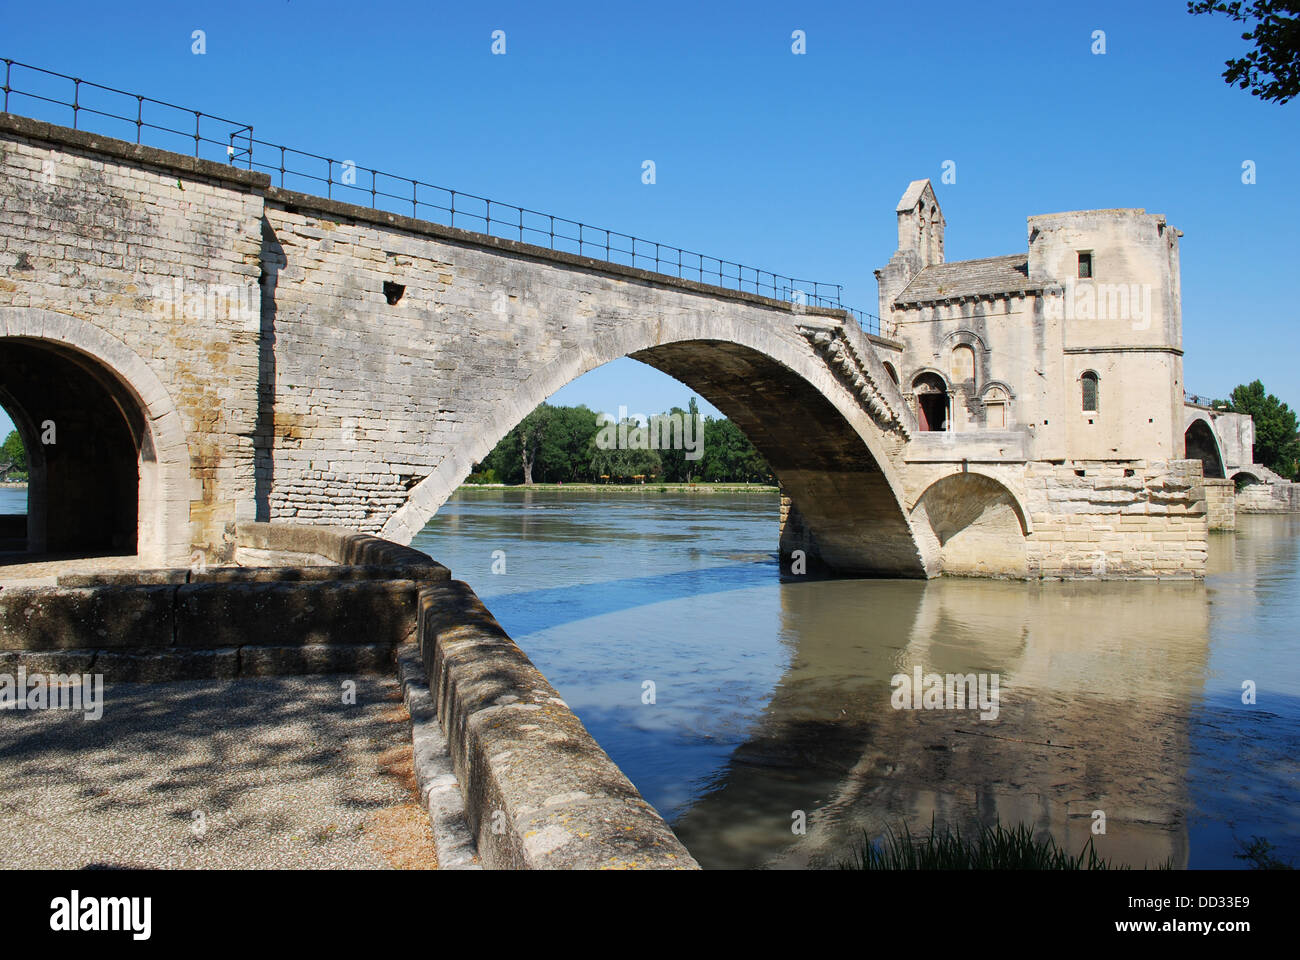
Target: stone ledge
(539, 792)
(139, 153)
(344, 547)
(435, 779)
(226, 663)
(64, 618)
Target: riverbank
(13, 484)
(631, 487)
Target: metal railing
(218, 138)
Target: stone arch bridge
(211, 349)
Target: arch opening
(978, 523)
(1244, 478)
(87, 443)
(15, 472)
(854, 521)
(1200, 443)
(825, 464)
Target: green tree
(559, 444)
(1271, 71)
(14, 454)
(624, 461)
(728, 454)
(1276, 446)
(673, 428)
(531, 433)
(563, 456)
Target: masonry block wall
(1106, 519)
(97, 231)
(1220, 504)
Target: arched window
(893, 374)
(996, 401)
(1090, 391)
(963, 363)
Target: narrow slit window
(1089, 392)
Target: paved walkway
(261, 773)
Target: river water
(743, 707)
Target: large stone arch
(1201, 442)
(829, 454)
(977, 522)
(154, 425)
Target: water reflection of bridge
(1096, 683)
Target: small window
(1085, 266)
(963, 363)
(1089, 381)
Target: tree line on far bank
(559, 444)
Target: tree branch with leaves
(1271, 71)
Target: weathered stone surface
(306, 613)
(147, 666)
(1220, 504)
(127, 578)
(265, 661)
(47, 661)
(53, 618)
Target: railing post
(196, 132)
(8, 66)
(76, 100)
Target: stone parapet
(539, 792)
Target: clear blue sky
(791, 163)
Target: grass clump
(992, 848)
